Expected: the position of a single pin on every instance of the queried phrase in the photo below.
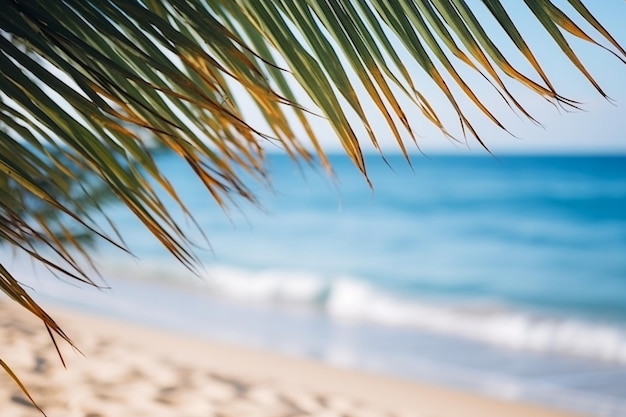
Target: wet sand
(128, 370)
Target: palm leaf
(88, 87)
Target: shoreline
(128, 369)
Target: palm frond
(89, 87)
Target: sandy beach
(128, 370)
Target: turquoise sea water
(505, 276)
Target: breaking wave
(348, 298)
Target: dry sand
(131, 371)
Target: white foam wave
(267, 285)
(356, 300)
(502, 326)
(348, 298)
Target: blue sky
(599, 128)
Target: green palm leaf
(91, 88)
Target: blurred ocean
(505, 276)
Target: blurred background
(502, 275)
